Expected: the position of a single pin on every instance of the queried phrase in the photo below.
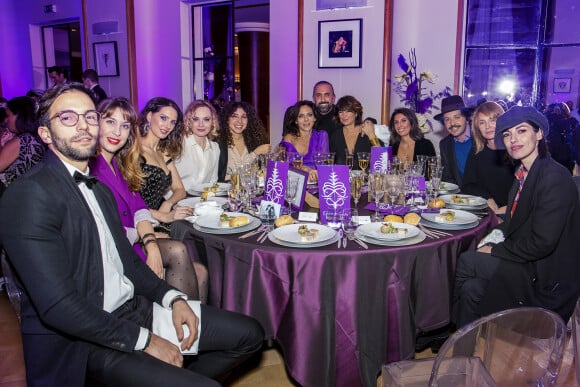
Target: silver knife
(361, 243)
(254, 232)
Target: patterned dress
(156, 185)
(31, 152)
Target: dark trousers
(227, 339)
(472, 275)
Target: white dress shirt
(197, 165)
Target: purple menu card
(333, 188)
(381, 157)
(275, 185)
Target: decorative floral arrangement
(410, 87)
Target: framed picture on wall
(562, 85)
(106, 60)
(340, 43)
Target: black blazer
(540, 264)
(99, 94)
(451, 172)
(52, 240)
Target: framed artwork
(106, 60)
(340, 43)
(302, 176)
(562, 85)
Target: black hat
(516, 115)
(450, 104)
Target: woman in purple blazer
(117, 132)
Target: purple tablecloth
(338, 314)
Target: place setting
(464, 202)
(390, 234)
(207, 190)
(446, 188)
(226, 223)
(303, 235)
(449, 219)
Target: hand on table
(181, 212)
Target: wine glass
(377, 188)
(393, 189)
(363, 161)
(436, 178)
(330, 158)
(319, 158)
(297, 160)
(291, 189)
(349, 159)
(356, 182)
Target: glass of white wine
(356, 182)
(349, 160)
(297, 160)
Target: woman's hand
(181, 212)
(312, 174)
(263, 149)
(166, 206)
(154, 260)
(368, 129)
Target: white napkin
(163, 325)
(494, 237)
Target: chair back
(518, 347)
(10, 283)
(577, 181)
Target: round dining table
(338, 314)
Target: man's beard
(66, 149)
(324, 107)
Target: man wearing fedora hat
(531, 259)
(456, 147)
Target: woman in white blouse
(241, 138)
(198, 162)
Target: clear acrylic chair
(516, 347)
(9, 283)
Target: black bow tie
(88, 180)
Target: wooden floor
(267, 370)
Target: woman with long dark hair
(407, 139)
(241, 137)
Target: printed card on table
(275, 185)
(381, 157)
(333, 189)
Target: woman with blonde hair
(167, 258)
(198, 163)
(488, 172)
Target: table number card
(381, 157)
(333, 188)
(275, 185)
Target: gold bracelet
(374, 141)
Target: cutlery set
(434, 234)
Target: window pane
(561, 80)
(563, 27)
(491, 22)
(489, 71)
(218, 78)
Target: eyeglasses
(71, 118)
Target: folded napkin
(385, 208)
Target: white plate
(474, 202)
(461, 217)
(468, 208)
(212, 221)
(254, 223)
(373, 230)
(315, 243)
(222, 187)
(381, 242)
(191, 202)
(441, 226)
(289, 233)
(445, 186)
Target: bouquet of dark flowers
(410, 86)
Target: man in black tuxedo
(457, 146)
(91, 82)
(87, 306)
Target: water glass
(291, 190)
(267, 216)
(333, 218)
(349, 159)
(234, 201)
(377, 189)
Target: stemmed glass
(377, 188)
(436, 174)
(393, 189)
(356, 182)
(330, 158)
(319, 158)
(349, 159)
(291, 189)
(296, 159)
(363, 161)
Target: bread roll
(393, 218)
(436, 203)
(283, 221)
(238, 221)
(412, 218)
